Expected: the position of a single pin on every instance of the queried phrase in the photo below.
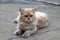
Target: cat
(30, 21)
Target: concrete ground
(52, 1)
(8, 12)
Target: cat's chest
(27, 25)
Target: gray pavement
(8, 12)
(52, 1)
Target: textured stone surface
(8, 12)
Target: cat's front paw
(17, 32)
(26, 35)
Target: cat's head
(27, 14)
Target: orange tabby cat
(29, 21)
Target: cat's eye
(31, 15)
(26, 15)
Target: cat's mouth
(28, 21)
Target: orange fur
(26, 14)
(26, 22)
(42, 21)
(29, 22)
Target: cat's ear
(33, 9)
(21, 10)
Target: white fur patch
(40, 14)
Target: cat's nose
(29, 18)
